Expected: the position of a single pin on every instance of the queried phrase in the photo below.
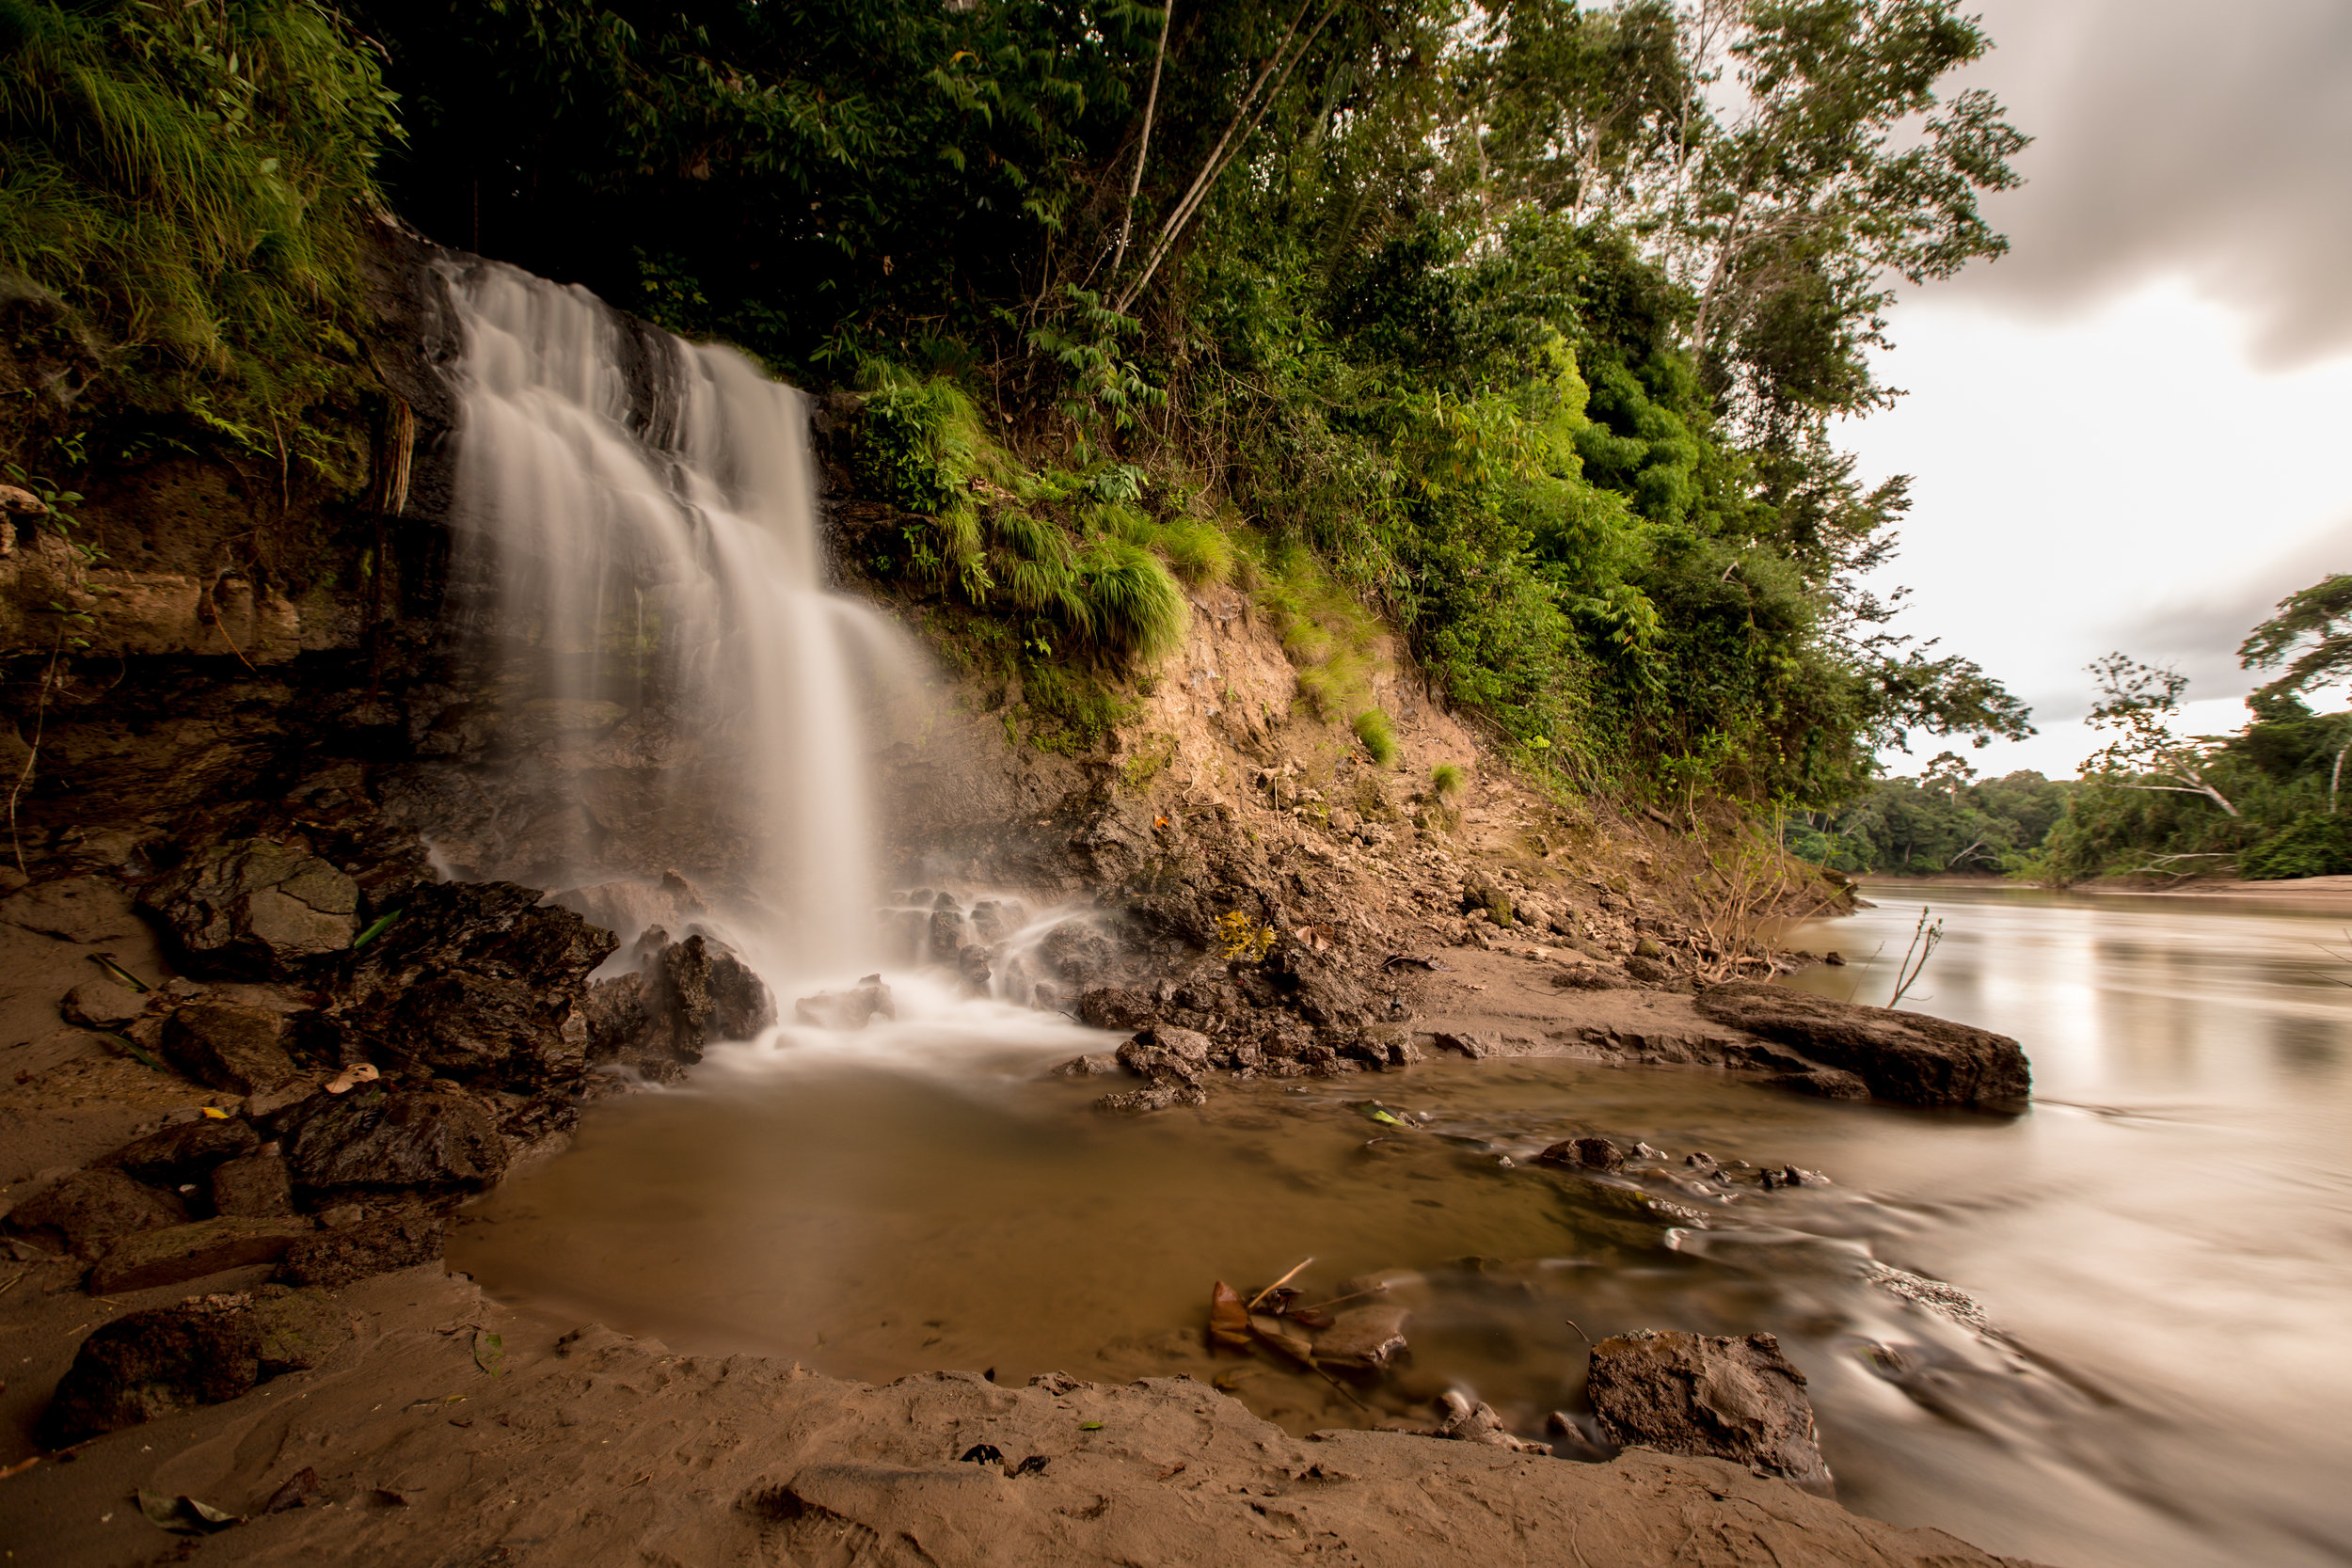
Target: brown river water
(2109, 1332)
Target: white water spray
(647, 512)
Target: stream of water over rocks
(2106, 1333)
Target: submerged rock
(1708, 1396)
(1159, 1096)
(257, 909)
(1584, 1155)
(174, 1358)
(1368, 1338)
(1468, 1420)
(1909, 1057)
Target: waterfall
(638, 518)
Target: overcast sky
(2134, 431)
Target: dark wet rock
(1909, 1057)
(1708, 1396)
(1159, 1096)
(237, 1047)
(710, 994)
(1701, 1161)
(1164, 1052)
(1101, 1064)
(1321, 991)
(254, 1187)
(1076, 954)
(257, 909)
(1775, 1176)
(847, 1009)
(480, 981)
(102, 1005)
(176, 1358)
(331, 1259)
(180, 1253)
(1364, 1338)
(1584, 1155)
(183, 1151)
(88, 1211)
(1827, 1082)
(1116, 1007)
(433, 1139)
(1468, 1420)
(972, 968)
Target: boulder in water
(847, 1009)
(1166, 1053)
(1708, 1396)
(258, 908)
(1587, 1153)
(1909, 1057)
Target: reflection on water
(2142, 1362)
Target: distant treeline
(2281, 776)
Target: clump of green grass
(1371, 728)
(184, 192)
(1447, 781)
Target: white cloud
(2126, 477)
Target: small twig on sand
(1277, 1285)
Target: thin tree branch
(1143, 145)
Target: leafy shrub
(1447, 781)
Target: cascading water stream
(639, 519)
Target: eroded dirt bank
(588, 1446)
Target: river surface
(2109, 1332)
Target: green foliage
(1504, 338)
(1938, 824)
(1372, 727)
(181, 194)
(2311, 636)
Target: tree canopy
(1526, 323)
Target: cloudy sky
(2134, 431)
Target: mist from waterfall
(639, 518)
